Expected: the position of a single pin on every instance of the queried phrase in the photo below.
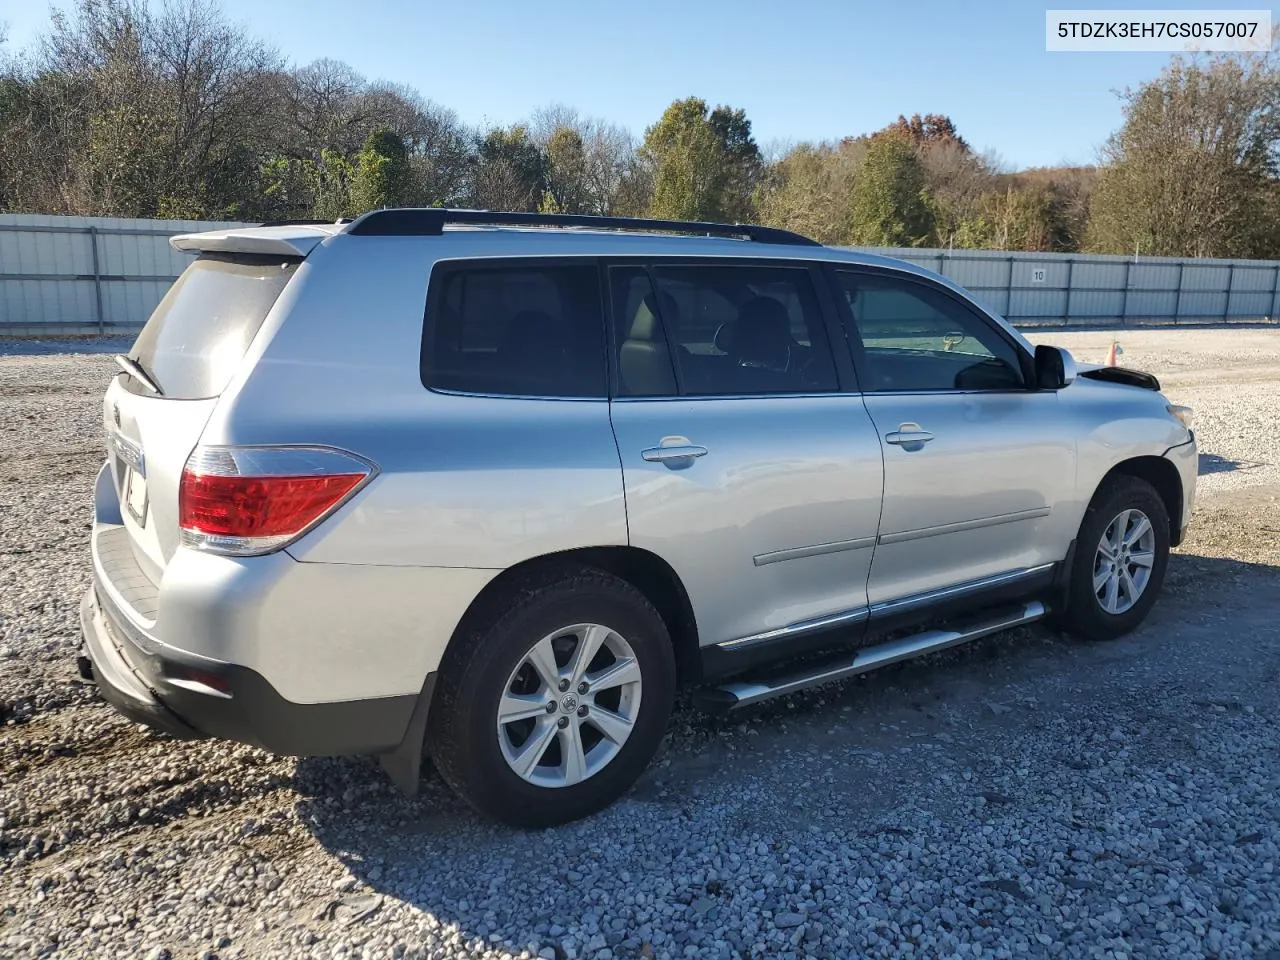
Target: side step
(742, 693)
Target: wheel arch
(644, 570)
(1164, 477)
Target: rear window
(515, 329)
(202, 328)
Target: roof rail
(430, 221)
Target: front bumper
(192, 697)
(1186, 459)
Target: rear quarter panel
(464, 481)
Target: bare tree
(1193, 170)
(158, 112)
(808, 189)
(607, 152)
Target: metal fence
(1076, 289)
(83, 275)
(78, 275)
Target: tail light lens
(244, 501)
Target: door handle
(673, 448)
(908, 434)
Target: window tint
(522, 330)
(915, 337)
(197, 336)
(719, 330)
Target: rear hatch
(189, 349)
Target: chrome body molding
(846, 617)
(978, 524)
(958, 590)
(859, 614)
(814, 550)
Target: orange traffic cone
(1115, 350)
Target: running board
(742, 693)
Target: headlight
(1181, 414)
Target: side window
(719, 330)
(520, 329)
(917, 338)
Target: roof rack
(430, 221)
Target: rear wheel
(1122, 552)
(554, 704)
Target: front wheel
(1122, 552)
(552, 706)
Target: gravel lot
(1025, 795)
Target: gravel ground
(1026, 795)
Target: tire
(494, 656)
(1087, 613)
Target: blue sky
(802, 69)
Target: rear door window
(198, 335)
(719, 330)
(533, 329)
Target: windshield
(202, 328)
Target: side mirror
(1055, 367)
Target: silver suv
(486, 487)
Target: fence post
(1231, 279)
(1275, 289)
(97, 279)
(1124, 297)
(1008, 293)
(1177, 297)
(1066, 307)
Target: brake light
(243, 501)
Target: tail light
(244, 501)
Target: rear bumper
(191, 697)
(119, 684)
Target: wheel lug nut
(583, 687)
(562, 722)
(551, 706)
(564, 685)
(582, 710)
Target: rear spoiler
(293, 240)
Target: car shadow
(1212, 463)
(433, 854)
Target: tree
(688, 161)
(742, 162)
(382, 176)
(704, 163)
(933, 129)
(510, 170)
(809, 190)
(889, 206)
(136, 112)
(587, 159)
(566, 172)
(957, 181)
(1012, 220)
(1192, 172)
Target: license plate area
(134, 486)
(135, 495)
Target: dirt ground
(1027, 794)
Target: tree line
(126, 110)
